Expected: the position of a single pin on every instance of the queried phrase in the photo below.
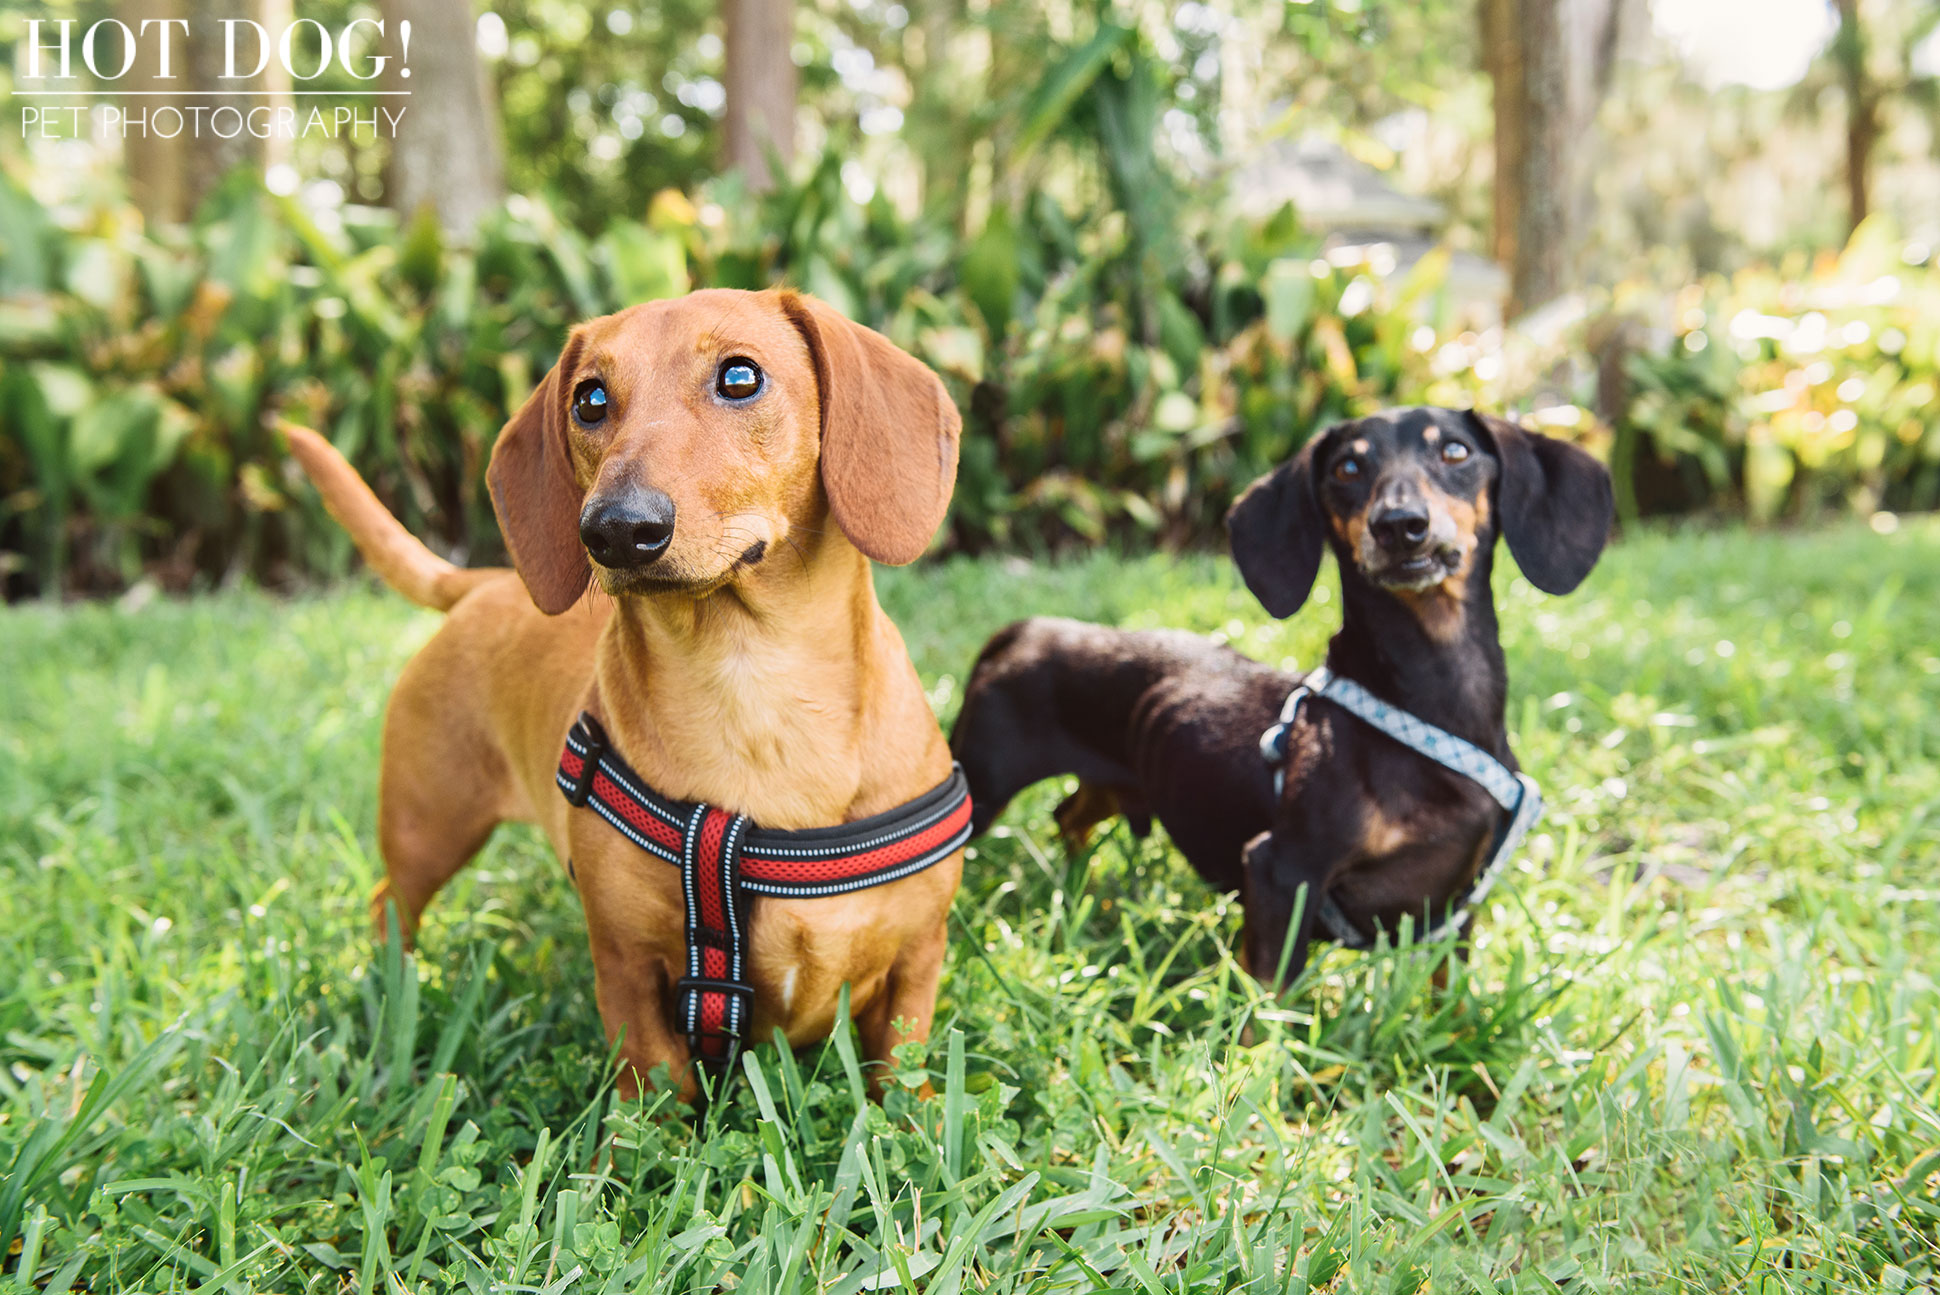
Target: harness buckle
(719, 1044)
(691, 992)
(595, 739)
(702, 985)
(1274, 742)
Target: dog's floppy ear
(889, 434)
(536, 498)
(1555, 503)
(1276, 532)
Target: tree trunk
(207, 157)
(1546, 180)
(760, 84)
(1862, 110)
(154, 164)
(931, 124)
(447, 153)
(1550, 62)
(277, 83)
(1502, 60)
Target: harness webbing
(1515, 792)
(723, 858)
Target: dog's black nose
(630, 529)
(1400, 529)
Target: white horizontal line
(196, 94)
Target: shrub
(141, 371)
(1790, 391)
(1106, 394)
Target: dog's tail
(398, 556)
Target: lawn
(1694, 1049)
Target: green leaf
(1066, 82)
(1288, 290)
(641, 264)
(990, 273)
(420, 257)
(1180, 332)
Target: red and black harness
(723, 858)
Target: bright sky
(1767, 44)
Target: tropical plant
(1107, 394)
(1106, 390)
(139, 374)
(1791, 390)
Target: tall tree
(277, 83)
(761, 86)
(933, 60)
(1502, 60)
(447, 153)
(1550, 63)
(156, 176)
(207, 156)
(1862, 109)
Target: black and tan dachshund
(1166, 725)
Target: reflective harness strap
(723, 858)
(714, 995)
(1515, 792)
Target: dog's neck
(1434, 653)
(765, 695)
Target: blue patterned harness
(1515, 792)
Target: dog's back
(1164, 723)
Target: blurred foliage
(1125, 357)
(1108, 393)
(1100, 395)
(1790, 390)
(1693, 176)
(138, 372)
(602, 106)
(1127, 352)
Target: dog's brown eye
(589, 403)
(1454, 452)
(1347, 470)
(739, 379)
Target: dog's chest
(758, 738)
(1416, 845)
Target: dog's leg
(905, 1009)
(636, 1002)
(1138, 814)
(1085, 808)
(424, 843)
(1280, 891)
(627, 921)
(1464, 946)
(438, 802)
(443, 782)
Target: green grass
(1694, 1049)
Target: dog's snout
(627, 530)
(1401, 528)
